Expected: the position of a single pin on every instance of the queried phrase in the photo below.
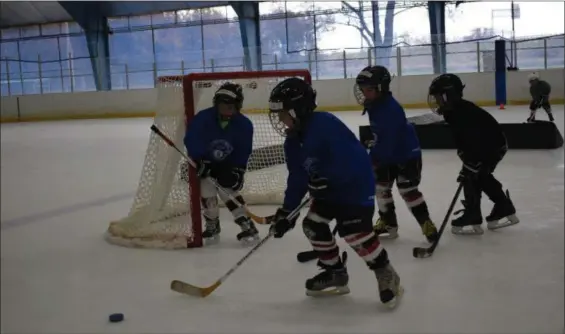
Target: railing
(74, 75)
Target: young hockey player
(325, 158)
(481, 145)
(539, 90)
(395, 152)
(219, 139)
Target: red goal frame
(189, 106)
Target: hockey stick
(193, 290)
(254, 217)
(420, 252)
(310, 255)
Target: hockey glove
(281, 224)
(203, 168)
(232, 179)
(469, 170)
(370, 142)
(317, 186)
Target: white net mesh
(160, 216)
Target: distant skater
(539, 90)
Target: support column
(89, 16)
(436, 12)
(500, 71)
(248, 13)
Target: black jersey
(477, 134)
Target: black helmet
(377, 77)
(444, 90)
(295, 96)
(229, 93)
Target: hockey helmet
(294, 98)
(533, 76)
(444, 90)
(231, 94)
(375, 77)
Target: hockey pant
(407, 177)
(542, 102)
(354, 224)
(484, 182)
(209, 199)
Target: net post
(193, 181)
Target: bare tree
(371, 33)
(382, 42)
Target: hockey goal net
(166, 212)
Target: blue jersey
(328, 148)
(206, 139)
(396, 140)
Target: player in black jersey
(481, 145)
(539, 90)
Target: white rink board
(62, 182)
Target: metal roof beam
(89, 15)
(132, 8)
(249, 26)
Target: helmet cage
(275, 108)
(376, 77)
(436, 101)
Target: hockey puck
(306, 256)
(116, 317)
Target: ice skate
(390, 289)
(249, 234)
(503, 214)
(386, 227)
(211, 234)
(429, 230)
(531, 119)
(550, 115)
(332, 281)
(469, 223)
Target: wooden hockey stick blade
(193, 290)
(189, 289)
(260, 220)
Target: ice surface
(62, 182)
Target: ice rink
(63, 182)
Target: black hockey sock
(472, 192)
(414, 199)
(421, 213)
(493, 189)
(236, 210)
(322, 240)
(380, 262)
(389, 215)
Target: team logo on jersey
(311, 165)
(220, 149)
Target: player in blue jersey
(220, 139)
(325, 159)
(395, 152)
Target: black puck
(116, 317)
